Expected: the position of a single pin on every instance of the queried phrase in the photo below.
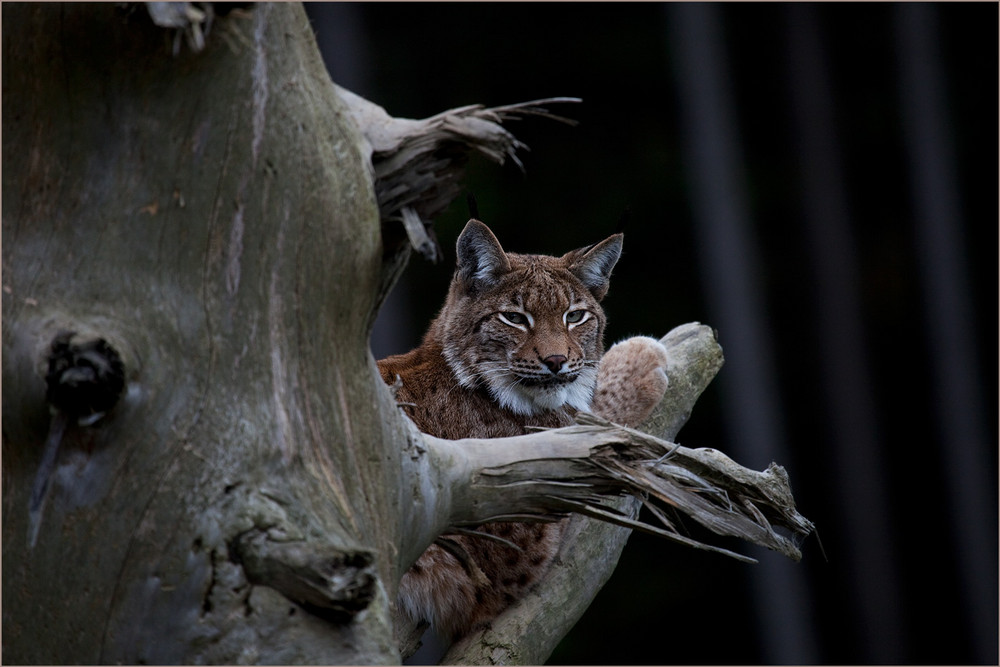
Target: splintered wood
(701, 484)
(705, 485)
(417, 164)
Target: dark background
(819, 183)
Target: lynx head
(527, 327)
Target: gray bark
(210, 215)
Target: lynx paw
(631, 380)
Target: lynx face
(528, 327)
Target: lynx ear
(481, 259)
(593, 265)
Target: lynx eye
(516, 319)
(576, 316)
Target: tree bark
(212, 217)
(196, 239)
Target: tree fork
(254, 494)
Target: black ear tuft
(593, 265)
(481, 259)
(470, 199)
(626, 217)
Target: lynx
(518, 344)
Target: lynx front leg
(631, 381)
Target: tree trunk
(211, 216)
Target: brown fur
(517, 344)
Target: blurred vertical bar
(857, 465)
(954, 367)
(730, 268)
(340, 35)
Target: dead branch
(417, 166)
(550, 474)
(417, 163)
(606, 472)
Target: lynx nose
(554, 362)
